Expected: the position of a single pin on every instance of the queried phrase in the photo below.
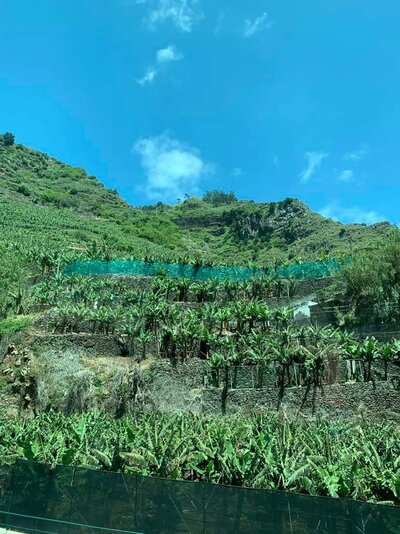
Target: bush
(7, 139)
(218, 197)
(10, 325)
(53, 197)
(24, 190)
(63, 383)
(373, 283)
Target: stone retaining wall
(337, 371)
(333, 399)
(338, 398)
(91, 344)
(192, 372)
(198, 374)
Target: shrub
(7, 139)
(24, 190)
(373, 283)
(218, 197)
(10, 325)
(63, 383)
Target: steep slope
(267, 232)
(46, 202)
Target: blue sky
(159, 98)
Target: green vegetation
(52, 214)
(10, 325)
(218, 198)
(14, 275)
(337, 458)
(226, 322)
(7, 139)
(373, 284)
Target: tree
(183, 286)
(144, 338)
(386, 354)
(218, 197)
(373, 283)
(8, 139)
(368, 352)
(13, 280)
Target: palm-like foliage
(261, 335)
(330, 457)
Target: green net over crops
(73, 500)
(303, 271)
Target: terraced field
(142, 375)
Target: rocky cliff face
(264, 219)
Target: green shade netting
(73, 500)
(303, 271)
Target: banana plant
(368, 352)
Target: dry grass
(63, 383)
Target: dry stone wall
(333, 399)
(92, 345)
(340, 396)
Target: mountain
(47, 203)
(265, 232)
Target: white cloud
(314, 161)
(351, 215)
(237, 172)
(164, 55)
(148, 77)
(356, 155)
(172, 168)
(346, 176)
(129, 3)
(170, 53)
(182, 13)
(251, 27)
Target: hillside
(269, 232)
(133, 374)
(50, 203)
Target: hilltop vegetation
(219, 225)
(51, 212)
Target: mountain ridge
(229, 230)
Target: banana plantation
(336, 458)
(226, 324)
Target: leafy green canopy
(7, 139)
(329, 457)
(218, 197)
(373, 284)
